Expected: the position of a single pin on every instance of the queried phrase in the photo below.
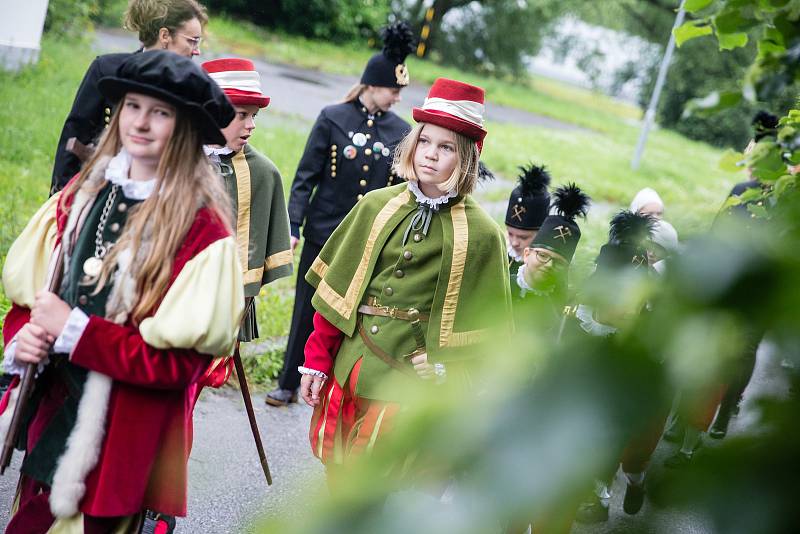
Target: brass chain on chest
(94, 264)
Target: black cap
(529, 203)
(559, 232)
(765, 124)
(177, 80)
(627, 242)
(388, 69)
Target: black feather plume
(570, 201)
(484, 174)
(534, 179)
(630, 228)
(398, 41)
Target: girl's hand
(50, 313)
(422, 367)
(310, 386)
(33, 343)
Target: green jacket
(468, 275)
(262, 223)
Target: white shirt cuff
(313, 372)
(10, 364)
(72, 332)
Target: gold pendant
(92, 266)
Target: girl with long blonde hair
(124, 287)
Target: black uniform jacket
(89, 115)
(349, 152)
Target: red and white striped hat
(239, 79)
(454, 105)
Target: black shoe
(594, 511)
(281, 397)
(678, 460)
(634, 498)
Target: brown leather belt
(383, 355)
(373, 308)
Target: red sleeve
(16, 318)
(322, 345)
(120, 352)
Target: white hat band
(467, 110)
(243, 80)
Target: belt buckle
(392, 312)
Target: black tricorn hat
(559, 232)
(627, 241)
(178, 81)
(529, 202)
(387, 68)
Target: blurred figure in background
(648, 202)
(528, 206)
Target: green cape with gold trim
(472, 298)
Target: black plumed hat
(387, 68)
(627, 241)
(560, 232)
(529, 202)
(178, 81)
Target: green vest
(455, 274)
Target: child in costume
(149, 292)
(528, 207)
(415, 299)
(545, 269)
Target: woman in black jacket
(174, 25)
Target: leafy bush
(70, 18)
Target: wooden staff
(26, 385)
(251, 415)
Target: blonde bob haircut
(465, 175)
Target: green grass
(33, 105)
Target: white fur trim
(467, 110)
(83, 447)
(5, 418)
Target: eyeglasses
(543, 257)
(193, 41)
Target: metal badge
(359, 139)
(350, 152)
(385, 151)
(378, 146)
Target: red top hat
(239, 79)
(454, 105)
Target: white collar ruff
(512, 253)
(214, 151)
(422, 198)
(117, 173)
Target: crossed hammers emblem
(518, 212)
(563, 233)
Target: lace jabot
(117, 173)
(422, 198)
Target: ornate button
(368, 151)
(333, 166)
(374, 329)
(83, 300)
(408, 254)
(122, 207)
(365, 168)
(363, 183)
(333, 174)
(334, 147)
(417, 238)
(114, 227)
(389, 291)
(370, 122)
(359, 197)
(369, 136)
(399, 273)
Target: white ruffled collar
(512, 253)
(117, 173)
(585, 315)
(422, 198)
(526, 288)
(214, 151)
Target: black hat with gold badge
(388, 68)
(529, 203)
(560, 232)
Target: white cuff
(72, 332)
(313, 372)
(10, 364)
